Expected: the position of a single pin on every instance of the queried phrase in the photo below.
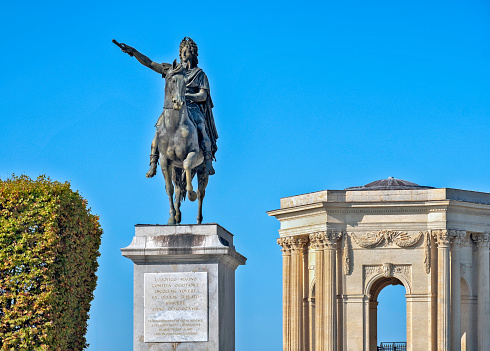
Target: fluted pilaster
(483, 244)
(443, 240)
(316, 244)
(458, 237)
(286, 291)
(297, 248)
(325, 244)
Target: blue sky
(308, 96)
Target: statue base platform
(184, 287)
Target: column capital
(325, 240)
(442, 237)
(298, 243)
(482, 240)
(285, 244)
(458, 238)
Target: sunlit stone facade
(342, 247)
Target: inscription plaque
(176, 307)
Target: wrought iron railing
(392, 346)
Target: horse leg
(177, 178)
(169, 187)
(188, 165)
(202, 178)
(178, 200)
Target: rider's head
(190, 45)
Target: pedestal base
(184, 287)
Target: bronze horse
(180, 156)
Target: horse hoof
(152, 171)
(199, 220)
(171, 221)
(192, 195)
(178, 218)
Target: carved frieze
(385, 238)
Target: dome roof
(390, 184)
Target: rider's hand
(127, 49)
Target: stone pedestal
(184, 287)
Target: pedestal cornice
(182, 244)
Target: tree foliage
(49, 244)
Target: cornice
(428, 206)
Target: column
(297, 248)
(311, 332)
(316, 244)
(483, 244)
(286, 288)
(373, 327)
(443, 290)
(330, 290)
(457, 238)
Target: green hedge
(49, 244)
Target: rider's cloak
(196, 79)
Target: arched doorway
(392, 315)
(385, 311)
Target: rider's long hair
(192, 46)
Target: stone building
(342, 247)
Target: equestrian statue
(185, 137)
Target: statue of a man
(197, 96)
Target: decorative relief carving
(285, 245)
(386, 237)
(427, 252)
(443, 238)
(388, 270)
(324, 240)
(370, 270)
(292, 244)
(482, 240)
(458, 238)
(298, 243)
(405, 271)
(405, 240)
(346, 255)
(316, 241)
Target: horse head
(175, 87)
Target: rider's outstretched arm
(144, 60)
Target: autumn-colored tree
(49, 244)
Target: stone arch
(382, 278)
(380, 283)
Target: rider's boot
(208, 161)
(153, 166)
